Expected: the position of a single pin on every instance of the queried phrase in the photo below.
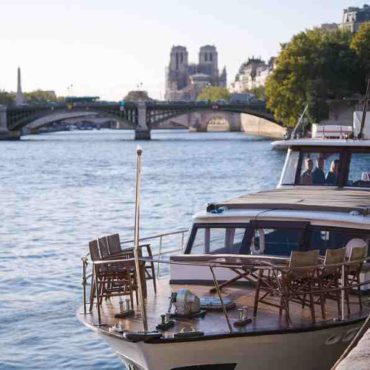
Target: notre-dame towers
(184, 80)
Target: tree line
(317, 66)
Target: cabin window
(217, 240)
(278, 242)
(324, 239)
(359, 171)
(319, 168)
(290, 168)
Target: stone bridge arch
(61, 116)
(199, 120)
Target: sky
(108, 47)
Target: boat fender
(333, 339)
(261, 248)
(142, 336)
(350, 334)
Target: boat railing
(162, 244)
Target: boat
(271, 280)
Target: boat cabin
(335, 163)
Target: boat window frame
(218, 225)
(337, 229)
(350, 151)
(343, 161)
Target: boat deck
(214, 322)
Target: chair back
(333, 257)
(103, 247)
(114, 244)
(358, 254)
(94, 250)
(299, 259)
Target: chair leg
(256, 296)
(359, 291)
(154, 278)
(312, 308)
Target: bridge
(142, 116)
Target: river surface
(58, 191)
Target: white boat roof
(334, 219)
(331, 206)
(320, 142)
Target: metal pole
(84, 281)
(221, 300)
(182, 241)
(364, 110)
(342, 293)
(139, 152)
(159, 254)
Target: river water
(58, 191)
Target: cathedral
(184, 80)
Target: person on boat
(306, 177)
(332, 176)
(318, 174)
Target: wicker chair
(113, 279)
(293, 283)
(328, 278)
(352, 273)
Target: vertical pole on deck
(221, 300)
(139, 152)
(342, 292)
(364, 110)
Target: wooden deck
(214, 322)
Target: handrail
(157, 236)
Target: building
(252, 74)
(185, 80)
(353, 17)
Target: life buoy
(261, 247)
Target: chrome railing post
(182, 241)
(159, 253)
(342, 292)
(84, 264)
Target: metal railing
(158, 247)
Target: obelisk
(19, 99)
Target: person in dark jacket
(318, 174)
(332, 176)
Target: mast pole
(364, 110)
(139, 152)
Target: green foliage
(361, 45)
(313, 67)
(40, 97)
(136, 95)
(259, 92)
(6, 98)
(214, 93)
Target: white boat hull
(309, 350)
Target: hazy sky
(108, 47)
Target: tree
(361, 45)
(40, 97)
(316, 65)
(6, 98)
(214, 93)
(259, 92)
(137, 95)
